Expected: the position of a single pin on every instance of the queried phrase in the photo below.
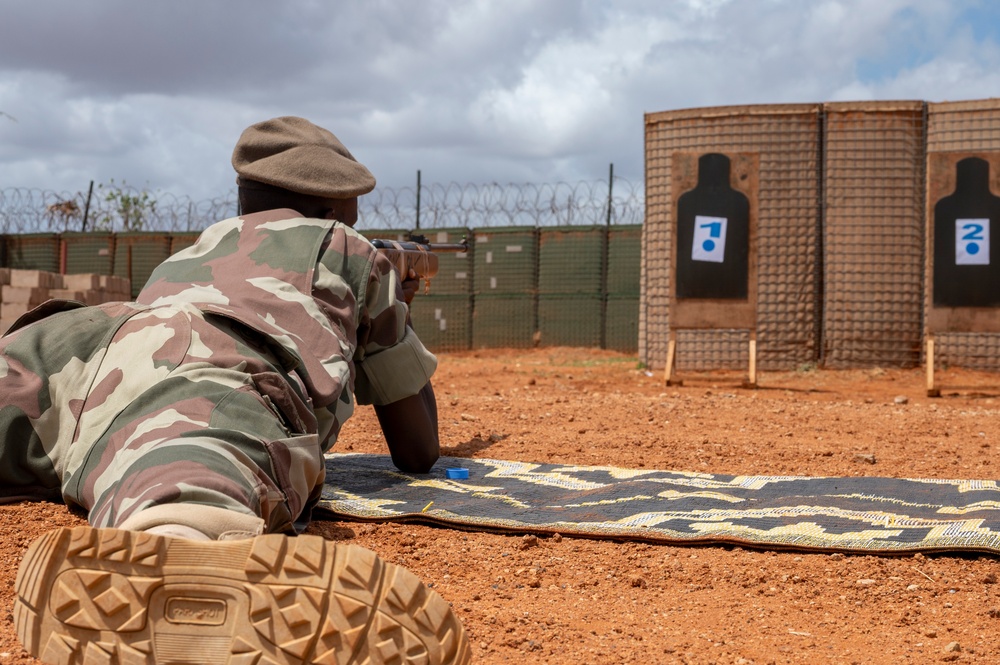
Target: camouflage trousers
(150, 415)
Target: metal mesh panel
(786, 138)
(137, 254)
(873, 233)
(622, 323)
(569, 260)
(624, 260)
(506, 260)
(569, 320)
(89, 252)
(33, 251)
(454, 268)
(444, 322)
(503, 321)
(972, 126)
(720, 349)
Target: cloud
(478, 91)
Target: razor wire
(122, 207)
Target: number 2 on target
(972, 242)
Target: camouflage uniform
(210, 400)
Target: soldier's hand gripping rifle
(417, 254)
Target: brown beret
(294, 154)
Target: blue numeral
(715, 229)
(975, 234)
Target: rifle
(418, 254)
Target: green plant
(130, 209)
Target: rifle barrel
(380, 243)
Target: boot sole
(102, 596)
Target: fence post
(418, 200)
(605, 258)
(86, 207)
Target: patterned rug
(870, 515)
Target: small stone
(953, 647)
(930, 632)
(557, 538)
(468, 417)
(637, 581)
(902, 399)
(529, 540)
(865, 582)
(868, 458)
(990, 578)
(994, 612)
(913, 587)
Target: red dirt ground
(568, 600)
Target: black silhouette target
(966, 251)
(713, 235)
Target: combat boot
(88, 595)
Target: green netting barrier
(621, 331)
(570, 260)
(505, 260)
(32, 251)
(89, 252)
(443, 322)
(503, 321)
(624, 259)
(138, 253)
(569, 320)
(454, 268)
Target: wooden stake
(668, 373)
(931, 390)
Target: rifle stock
(417, 254)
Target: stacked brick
(23, 290)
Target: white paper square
(972, 242)
(709, 239)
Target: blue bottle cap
(457, 474)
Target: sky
(156, 94)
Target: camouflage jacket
(338, 322)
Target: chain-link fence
(119, 207)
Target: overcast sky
(157, 92)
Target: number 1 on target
(709, 239)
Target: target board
(963, 253)
(714, 240)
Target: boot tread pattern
(89, 596)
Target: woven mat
(870, 515)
